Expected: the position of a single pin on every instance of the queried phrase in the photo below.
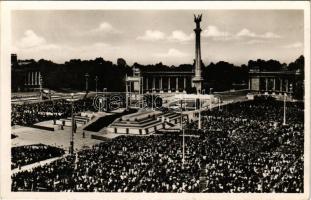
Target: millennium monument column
(197, 79)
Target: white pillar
(286, 85)
(169, 84)
(281, 85)
(147, 88)
(274, 84)
(160, 84)
(36, 78)
(177, 85)
(33, 78)
(153, 83)
(266, 79)
(26, 78)
(29, 78)
(185, 83)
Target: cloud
(106, 27)
(172, 53)
(152, 35)
(213, 31)
(255, 41)
(32, 41)
(293, 45)
(270, 35)
(180, 36)
(247, 33)
(103, 27)
(175, 36)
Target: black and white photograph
(122, 98)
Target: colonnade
(153, 80)
(32, 78)
(280, 84)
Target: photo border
(5, 91)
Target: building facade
(275, 82)
(24, 77)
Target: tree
(121, 62)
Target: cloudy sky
(149, 37)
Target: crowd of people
(28, 154)
(242, 148)
(124, 164)
(29, 114)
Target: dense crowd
(29, 114)
(241, 149)
(25, 155)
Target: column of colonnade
(185, 84)
(169, 84)
(32, 78)
(37, 78)
(153, 84)
(181, 82)
(29, 78)
(161, 84)
(283, 84)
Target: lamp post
(40, 79)
(86, 82)
(152, 98)
(284, 110)
(183, 134)
(218, 103)
(96, 79)
(54, 121)
(72, 128)
(71, 143)
(199, 125)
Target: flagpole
(284, 110)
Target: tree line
(220, 76)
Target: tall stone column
(266, 79)
(177, 90)
(197, 79)
(147, 84)
(281, 84)
(286, 85)
(274, 84)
